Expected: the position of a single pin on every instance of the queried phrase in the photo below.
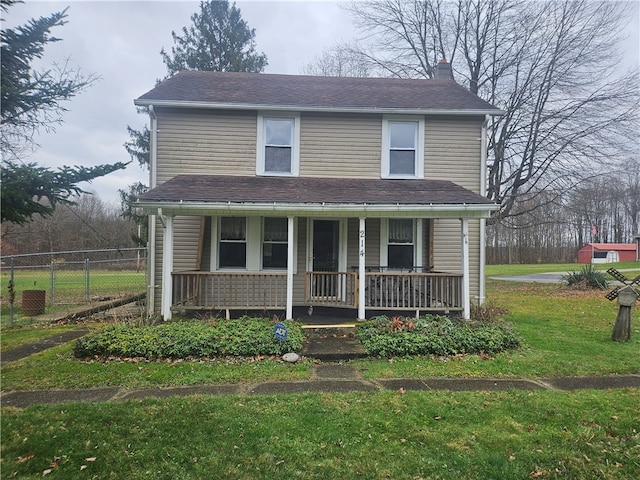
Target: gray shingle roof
(310, 190)
(313, 92)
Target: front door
(325, 282)
(326, 240)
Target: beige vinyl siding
(205, 142)
(340, 145)
(453, 150)
(447, 250)
(372, 245)
(185, 247)
(186, 231)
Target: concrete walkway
(325, 377)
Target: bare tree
(339, 61)
(552, 66)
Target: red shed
(607, 253)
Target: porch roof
(199, 194)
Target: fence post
(12, 294)
(86, 280)
(52, 282)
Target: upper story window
(278, 145)
(233, 242)
(402, 147)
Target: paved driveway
(534, 278)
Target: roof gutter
(322, 209)
(314, 108)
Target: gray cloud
(121, 41)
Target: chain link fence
(33, 284)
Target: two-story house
(274, 192)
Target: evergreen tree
(218, 40)
(30, 101)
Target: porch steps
(332, 343)
(311, 326)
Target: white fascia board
(305, 108)
(320, 210)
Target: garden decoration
(627, 296)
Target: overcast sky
(121, 40)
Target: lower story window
(400, 246)
(274, 243)
(233, 242)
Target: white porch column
(361, 272)
(464, 240)
(167, 268)
(290, 266)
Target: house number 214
(362, 243)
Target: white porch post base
(464, 234)
(361, 272)
(167, 268)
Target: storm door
(325, 283)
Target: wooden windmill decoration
(627, 296)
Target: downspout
(151, 246)
(483, 222)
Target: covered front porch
(409, 291)
(262, 243)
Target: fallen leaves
(26, 458)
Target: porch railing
(412, 291)
(338, 289)
(229, 290)
(387, 290)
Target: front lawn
(379, 435)
(564, 332)
(412, 435)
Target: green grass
(16, 337)
(57, 368)
(566, 332)
(69, 289)
(525, 269)
(413, 435)
(417, 435)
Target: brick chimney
(443, 70)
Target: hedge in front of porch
(434, 335)
(192, 338)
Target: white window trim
(295, 247)
(218, 242)
(295, 148)
(418, 231)
(254, 246)
(419, 165)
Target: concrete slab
(598, 383)
(182, 391)
(402, 383)
(327, 386)
(41, 345)
(333, 345)
(23, 399)
(475, 384)
(335, 370)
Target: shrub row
(434, 335)
(181, 339)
